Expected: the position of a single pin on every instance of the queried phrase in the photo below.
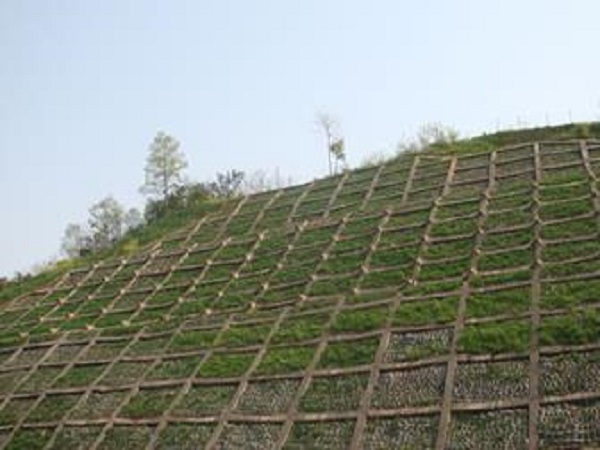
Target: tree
(335, 144)
(75, 240)
(133, 219)
(227, 184)
(106, 222)
(164, 166)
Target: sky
(85, 85)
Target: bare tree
(335, 144)
(164, 166)
(429, 134)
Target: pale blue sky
(85, 85)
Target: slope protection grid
(430, 302)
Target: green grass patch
(566, 295)
(223, 365)
(567, 209)
(449, 249)
(552, 193)
(80, 375)
(291, 274)
(425, 312)
(402, 218)
(509, 301)
(503, 337)
(457, 209)
(240, 335)
(505, 260)
(99, 405)
(564, 176)
(30, 439)
(434, 287)
(561, 251)
(77, 437)
(131, 437)
(300, 328)
(453, 269)
(15, 409)
(192, 340)
(332, 286)
(566, 230)
(360, 320)
(284, 360)
(505, 278)
(403, 236)
(497, 241)
(506, 219)
(573, 268)
(353, 243)
(148, 346)
(53, 408)
(349, 353)
(453, 228)
(511, 201)
(573, 329)
(342, 264)
(394, 256)
(384, 278)
(361, 225)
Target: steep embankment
(434, 301)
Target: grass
(394, 256)
(505, 260)
(224, 365)
(567, 295)
(573, 329)
(424, 312)
(571, 229)
(192, 340)
(360, 320)
(503, 337)
(384, 278)
(80, 375)
(510, 301)
(241, 335)
(563, 210)
(349, 353)
(53, 408)
(285, 360)
(300, 329)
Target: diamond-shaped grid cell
(268, 397)
(30, 439)
(182, 436)
(418, 344)
(411, 387)
(491, 381)
(337, 393)
(330, 435)
(131, 437)
(204, 400)
(98, 405)
(15, 409)
(570, 373)
(124, 373)
(77, 437)
(248, 436)
(148, 403)
(489, 430)
(400, 432)
(570, 425)
(52, 408)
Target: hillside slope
(437, 301)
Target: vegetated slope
(434, 301)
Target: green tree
(164, 167)
(335, 145)
(106, 222)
